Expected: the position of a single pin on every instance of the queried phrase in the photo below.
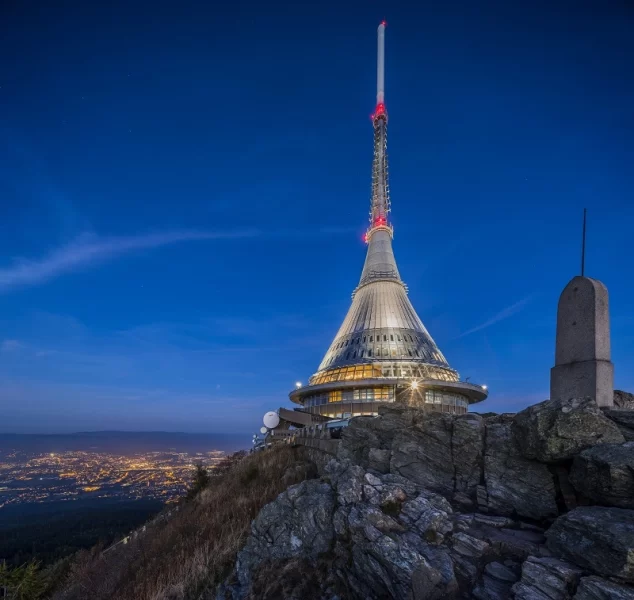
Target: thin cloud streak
(89, 250)
(504, 314)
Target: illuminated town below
(73, 475)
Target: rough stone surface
(422, 453)
(596, 588)
(624, 420)
(623, 400)
(491, 588)
(605, 474)
(461, 514)
(514, 484)
(297, 523)
(379, 460)
(547, 578)
(467, 452)
(596, 538)
(556, 430)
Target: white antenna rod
(380, 65)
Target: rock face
(547, 578)
(298, 523)
(420, 506)
(624, 420)
(623, 400)
(595, 588)
(596, 538)
(556, 430)
(605, 474)
(514, 484)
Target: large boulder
(596, 538)
(596, 588)
(514, 484)
(298, 523)
(548, 579)
(605, 474)
(556, 430)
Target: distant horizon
(117, 431)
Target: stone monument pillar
(582, 353)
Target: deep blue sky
(183, 191)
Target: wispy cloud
(504, 314)
(10, 346)
(88, 250)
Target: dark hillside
(196, 548)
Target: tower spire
(382, 351)
(379, 262)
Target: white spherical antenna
(271, 420)
(263, 430)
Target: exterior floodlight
(484, 387)
(414, 385)
(298, 384)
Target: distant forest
(47, 533)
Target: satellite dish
(263, 430)
(271, 420)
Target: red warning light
(380, 220)
(384, 23)
(379, 110)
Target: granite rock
(515, 484)
(556, 430)
(596, 588)
(605, 474)
(596, 538)
(547, 579)
(298, 523)
(623, 400)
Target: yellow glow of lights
(414, 385)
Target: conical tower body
(382, 351)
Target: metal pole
(583, 244)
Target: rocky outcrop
(556, 430)
(605, 474)
(547, 578)
(428, 506)
(595, 588)
(623, 400)
(515, 484)
(297, 523)
(596, 538)
(624, 420)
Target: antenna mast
(380, 64)
(583, 244)
(380, 203)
